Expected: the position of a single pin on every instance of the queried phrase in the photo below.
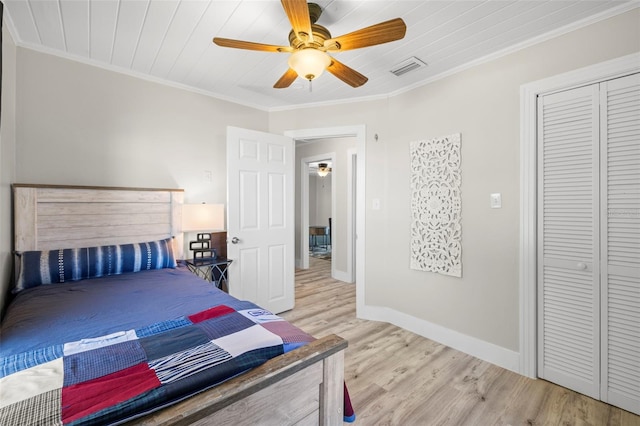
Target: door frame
(304, 206)
(528, 188)
(352, 221)
(359, 133)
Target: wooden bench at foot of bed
(302, 387)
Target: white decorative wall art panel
(436, 232)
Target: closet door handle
(582, 266)
(235, 240)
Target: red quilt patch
(85, 398)
(214, 312)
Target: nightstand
(212, 270)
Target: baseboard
(341, 276)
(481, 349)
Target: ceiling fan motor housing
(314, 12)
(320, 34)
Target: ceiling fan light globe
(309, 63)
(323, 169)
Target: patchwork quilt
(110, 378)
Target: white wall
(313, 200)
(322, 195)
(7, 159)
(65, 122)
(483, 104)
(79, 124)
(83, 125)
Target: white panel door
(620, 236)
(568, 234)
(260, 218)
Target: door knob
(582, 266)
(235, 240)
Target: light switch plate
(376, 204)
(496, 200)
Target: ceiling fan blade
(248, 45)
(350, 76)
(286, 79)
(298, 13)
(383, 32)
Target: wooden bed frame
(304, 386)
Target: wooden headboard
(50, 217)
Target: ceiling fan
(310, 42)
(323, 169)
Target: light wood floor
(396, 377)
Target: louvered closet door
(620, 235)
(568, 234)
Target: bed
(107, 328)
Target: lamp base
(204, 254)
(201, 248)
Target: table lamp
(199, 218)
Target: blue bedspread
(52, 314)
(88, 352)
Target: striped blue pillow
(59, 266)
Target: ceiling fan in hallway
(310, 44)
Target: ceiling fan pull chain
(310, 86)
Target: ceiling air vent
(410, 64)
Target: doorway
(322, 208)
(318, 205)
(589, 267)
(354, 270)
(528, 184)
(324, 205)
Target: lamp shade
(202, 217)
(309, 63)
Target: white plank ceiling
(170, 40)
